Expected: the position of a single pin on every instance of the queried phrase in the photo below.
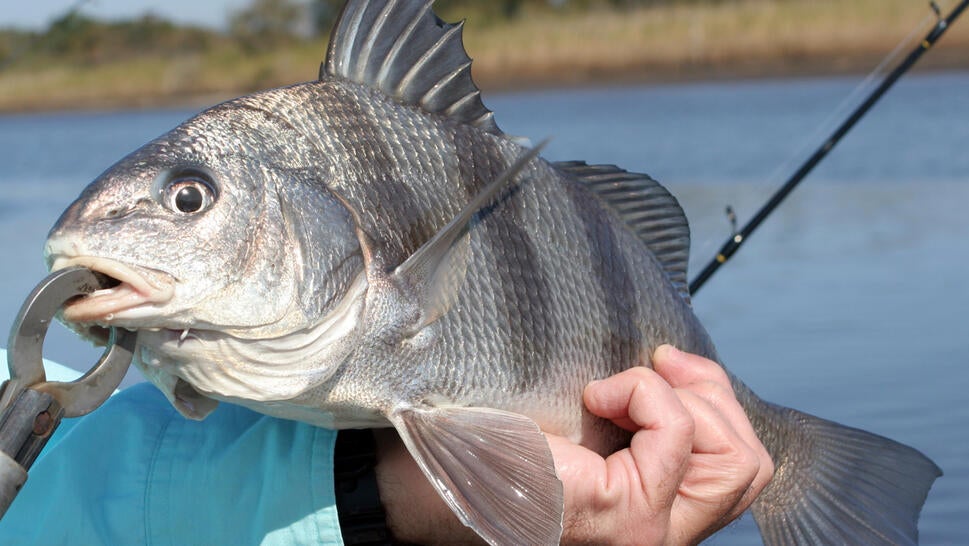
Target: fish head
(216, 230)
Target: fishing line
(839, 112)
(941, 25)
(851, 101)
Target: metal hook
(33, 407)
(25, 349)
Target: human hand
(694, 463)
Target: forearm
(415, 512)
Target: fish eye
(188, 193)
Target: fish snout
(134, 293)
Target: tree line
(262, 25)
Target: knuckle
(637, 379)
(640, 373)
(749, 464)
(706, 369)
(682, 424)
(767, 469)
(718, 375)
(709, 389)
(713, 392)
(745, 464)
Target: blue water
(849, 303)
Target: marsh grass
(739, 38)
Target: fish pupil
(189, 199)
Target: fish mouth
(135, 292)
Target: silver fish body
(546, 269)
(369, 250)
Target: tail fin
(837, 485)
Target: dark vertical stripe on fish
(622, 339)
(384, 191)
(526, 298)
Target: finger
(680, 368)
(707, 379)
(721, 470)
(732, 415)
(612, 398)
(723, 465)
(713, 431)
(640, 400)
(589, 506)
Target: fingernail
(668, 351)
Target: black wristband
(363, 521)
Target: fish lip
(138, 288)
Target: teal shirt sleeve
(136, 472)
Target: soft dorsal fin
(402, 48)
(648, 209)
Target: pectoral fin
(438, 267)
(493, 468)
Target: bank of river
(696, 41)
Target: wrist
(363, 520)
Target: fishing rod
(739, 237)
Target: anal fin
(493, 468)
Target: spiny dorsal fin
(403, 49)
(648, 209)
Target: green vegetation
(79, 62)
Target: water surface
(849, 303)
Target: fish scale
(375, 252)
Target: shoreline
(952, 61)
(728, 41)
(777, 69)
